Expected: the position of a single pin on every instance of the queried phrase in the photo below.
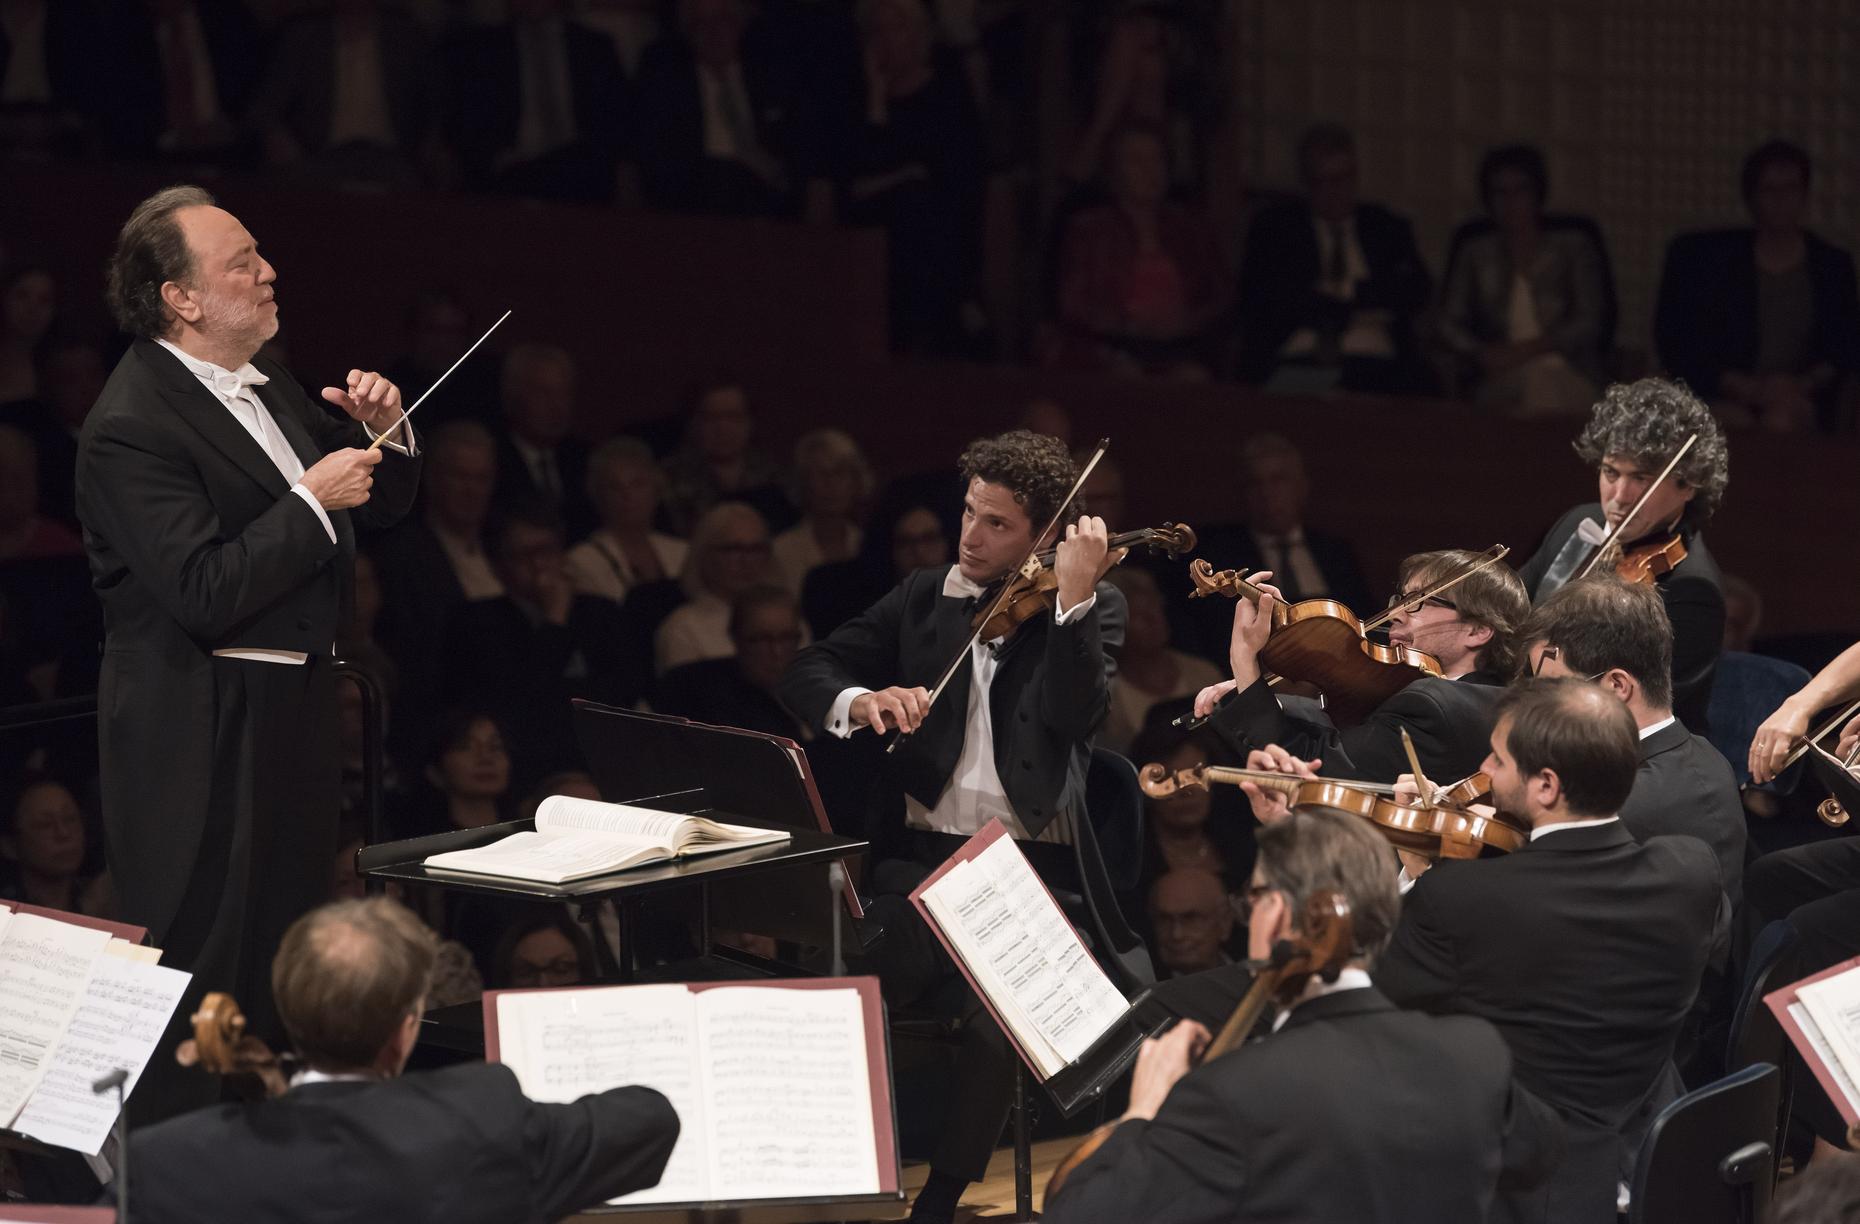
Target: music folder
(1821, 1016)
(1029, 966)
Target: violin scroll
(1159, 782)
(220, 1045)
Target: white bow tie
(955, 586)
(230, 382)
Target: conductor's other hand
(342, 479)
(369, 398)
(900, 708)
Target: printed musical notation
(44, 966)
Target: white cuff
(1065, 616)
(1404, 881)
(405, 429)
(322, 515)
(839, 718)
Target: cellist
(1468, 630)
(1635, 430)
(1351, 1109)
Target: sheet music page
(787, 1092)
(549, 857)
(566, 1044)
(44, 965)
(1834, 1002)
(1818, 1041)
(125, 1010)
(568, 812)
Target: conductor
(220, 505)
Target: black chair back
(1710, 1157)
(1113, 817)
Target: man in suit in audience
(1585, 947)
(537, 461)
(1330, 286)
(741, 690)
(1009, 739)
(354, 1138)
(1632, 435)
(1469, 630)
(1351, 1109)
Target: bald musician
(354, 1139)
(1351, 1109)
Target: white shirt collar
(311, 1076)
(1656, 728)
(1347, 979)
(223, 382)
(1545, 830)
(955, 586)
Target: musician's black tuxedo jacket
(462, 1144)
(1450, 722)
(1354, 1110)
(1049, 694)
(1694, 596)
(1585, 948)
(196, 544)
(1685, 786)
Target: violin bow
(1617, 531)
(1491, 556)
(1029, 565)
(1426, 788)
(376, 444)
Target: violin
(1322, 943)
(221, 1045)
(1647, 563)
(1034, 588)
(1442, 826)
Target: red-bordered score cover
(1779, 1003)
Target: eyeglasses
(1413, 601)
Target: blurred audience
(537, 462)
(42, 850)
(625, 486)
(729, 555)
(1193, 918)
(1143, 282)
(1157, 71)
(831, 483)
(1103, 491)
(1525, 301)
(765, 633)
(28, 304)
(176, 77)
(1743, 613)
(25, 534)
(439, 328)
(70, 377)
(465, 776)
(911, 527)
(1330, 287)
(1197, 827)
(47, 74)
(1763, 321)
(541, 949)
(1149, 670)
(717, 461)
(919, 172)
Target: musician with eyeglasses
(1469, 630)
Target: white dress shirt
(974, 794)
(1368, 332)
(1292, 547)
(1347, 979)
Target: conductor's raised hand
(342, 479)
(369, 398)
(888, 709)
(1081, 559)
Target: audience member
(729, 554)
(538, 106)
(176, 78)
(1525, 301)
(28, 304)
(542, 949)
(740, 691)
(47, 77)
(42, 850)
(432, 563)
(573, 783)
(439, 329)
(1193, 828)
(1330, 286)
(353, 749)
(1764, 321)
(351, 95)
(919, 172)
(720, 128)
(910, 528)
(1049, 417)
(537, 462)
(356, 642)
(1157, 72)
(831, 483)
(632, 25)
(1143, 283)
(25, 534)
(1192, 916)
(464, 776)
(717, 460)
(1103, 491)
(1743, 613)
(71, 374)
(353, 1138)
(1149, 671)
(625, 486)
(530, 651)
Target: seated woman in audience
(718, 460)
(910, 528)
(1149, 670)
(729, 554)
(1143, 283)
(626, 486)
(1524, 303)
(542, 948)
(1200, 829)
(832, 483)
(466, 774)
(42, 850)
